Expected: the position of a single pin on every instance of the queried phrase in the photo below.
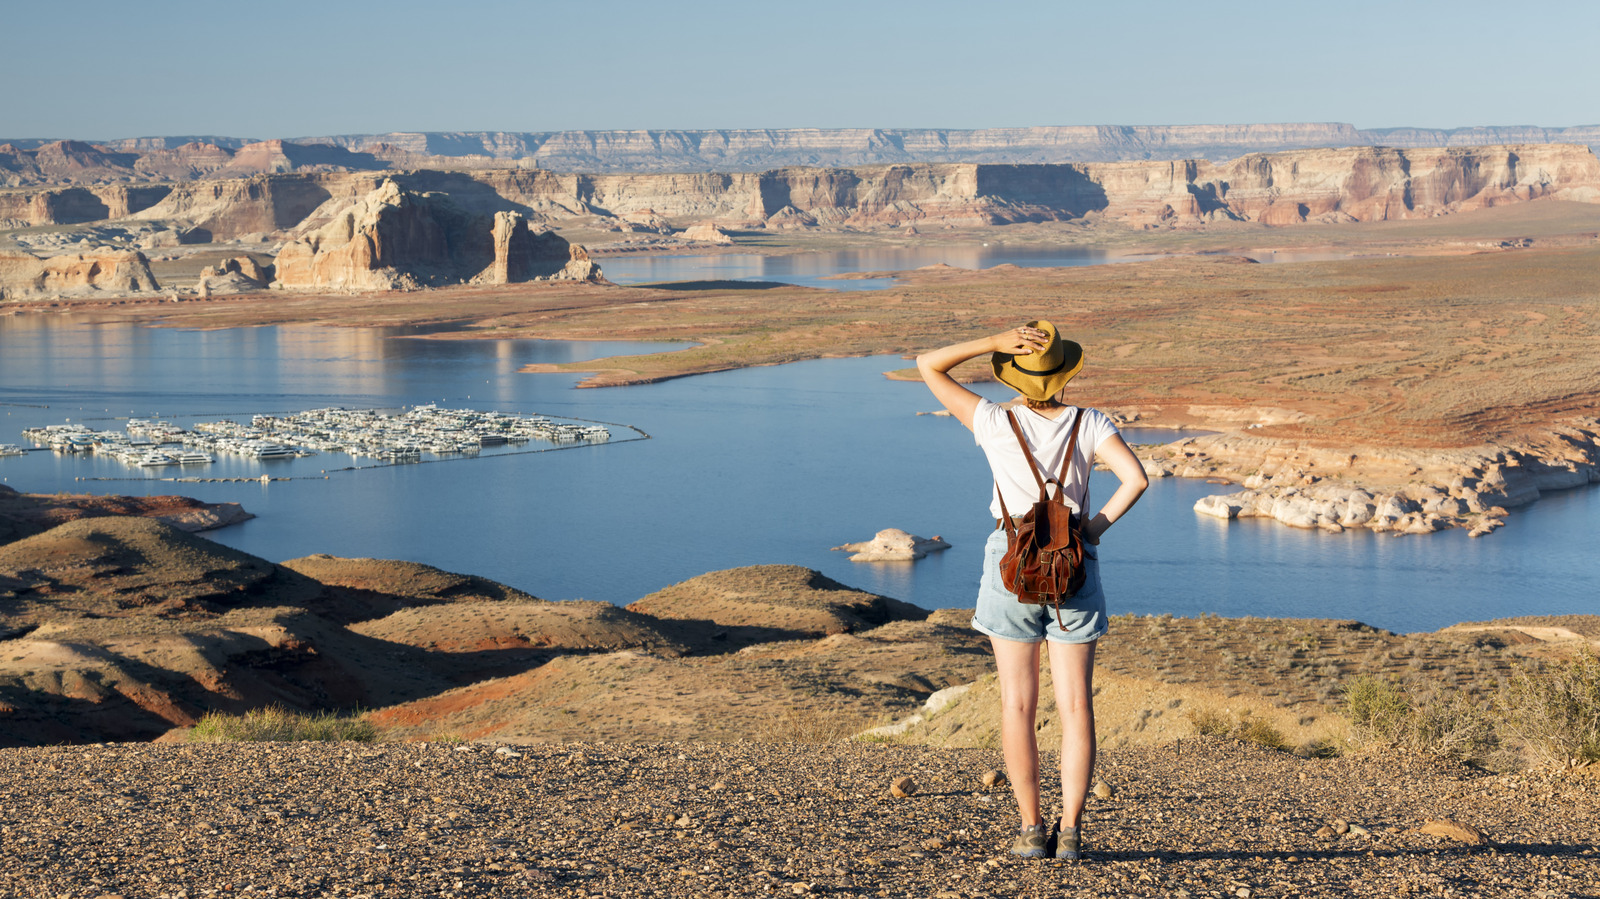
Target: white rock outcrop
(98, 270)
(706, 232)
(893, 545)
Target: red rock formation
(70, 160)
(184, 162)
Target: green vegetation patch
(277, 724)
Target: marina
(409, 436)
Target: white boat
(270, 451)
(153, 460)
(11, 449)
(190, 457)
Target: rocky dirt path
(1207, 818)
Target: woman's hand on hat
(1021, 341)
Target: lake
(766, 465)
(819, 268)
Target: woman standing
(1036, 362)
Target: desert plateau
(1427, 360)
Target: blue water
(817, 269)
(766, 465)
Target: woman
(1037, 363)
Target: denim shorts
(1000, 615)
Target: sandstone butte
(394, 239)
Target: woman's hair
(1047, 402)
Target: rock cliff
(206, 211)
(76, 162)
(24, 275)
(24, 162)
(1360, 183)
(363, 231)
(1350, 184)
(752, 149)
(76, 205)
(395, 239)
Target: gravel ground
(1205, 818)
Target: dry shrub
(799, 724)
(1423, 717)
(1244, 726)
(278, 724)
(1320, 748)
(1260, 732)
(1377, 706)
(1210, 722)
(1449, 723)
(1554, 713)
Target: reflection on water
(816, 269)
(765, 465)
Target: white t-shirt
(1047, 438)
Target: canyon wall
(369, 231)
(1352, 184)
(1357, 184)
(29, 162)
(77, 205)
(208, 211)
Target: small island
(893, 545)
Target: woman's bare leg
(1017, 665)
(1072, 670)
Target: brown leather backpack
(1043, 563)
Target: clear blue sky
(95, 70)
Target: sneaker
(1069, 844)
(1031, 841)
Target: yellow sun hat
(1040, 375)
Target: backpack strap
(1066, 460)
(1033, 467)
(1066, 466)
(1061, 483)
